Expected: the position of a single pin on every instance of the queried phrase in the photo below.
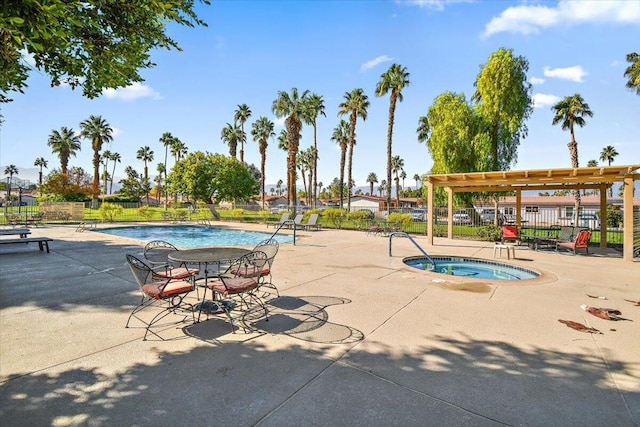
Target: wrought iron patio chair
(167, 293)
(269, 247)
(240, 282)
(157, 252)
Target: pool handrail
(288, 223)
(404, 234)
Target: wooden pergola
(599, 177)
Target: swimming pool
(191, 236)
(471, 267)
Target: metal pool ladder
(288, 222)
(403, 234)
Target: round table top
(208, 255)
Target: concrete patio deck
(358, 339)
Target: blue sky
(253, 49)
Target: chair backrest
(582, 239)
(249, 265)
(284, 218)
(157, 251)
(141, 271)
(298, 219)
(566, 233)
(313, 218)
(269, 247)
(510, 232)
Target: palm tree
(416, 178)
(355, 104)
(283, 141)
(261, 131)
(293, 107)
(241, 115)
(608, 154)
(96, 129)
(396, 165)
(314, 107)
(65, 144)
(146, 155)
(394, 79)
(591, 164)
(41, 162)
(382, 187)
(371, 179)
(279, 187)
(115, 158)
(10, 170)
(633, 72)
(231, 134)
(569, 111)
(105, 157)
(341, 137)
(160, 168)
(178, 149)
(166, 139)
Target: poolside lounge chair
(284, 218)
(166, 293)
(312, 223)
(297, 222)
(581, 242)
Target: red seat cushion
(174, 287)
(247, 271)
(177, 272)
(233, 285)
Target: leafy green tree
(241, 115)
(146, 155)
(608, 153)
(393, 80)
(41, 162)
(65, 144)
(314, 108)
(571, 111)
(632, 72)
(503, 100)
(89, 43)
(292, 106)
(132, 185)
(355, 104)
(73, 186)
(341, 137)
(212, 177)
(98, 131)
(261, 131)
(372, 178)
(450, 130)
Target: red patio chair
(581, 242)
(510, 233)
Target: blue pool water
(191, 236)
(470, 267)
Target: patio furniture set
(235, 279)
(555, 237)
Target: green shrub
(491, 233)
(335, 216)
(614, 216)
(404, 219)
(108, 211)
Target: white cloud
(615, 63)
(575, 73)
(536, 80)
(544, 100)
(370, 64)
(532, 19)
(432, 4)
(116, 132)
(129, 93)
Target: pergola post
(449, 191)
(627, 204)
(603, 216)
(518, 206)
(430, 213)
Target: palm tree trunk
(573, 151)
(315, 165)
(392, 110)
(293, 136)
(343, 155)
(263, 160)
